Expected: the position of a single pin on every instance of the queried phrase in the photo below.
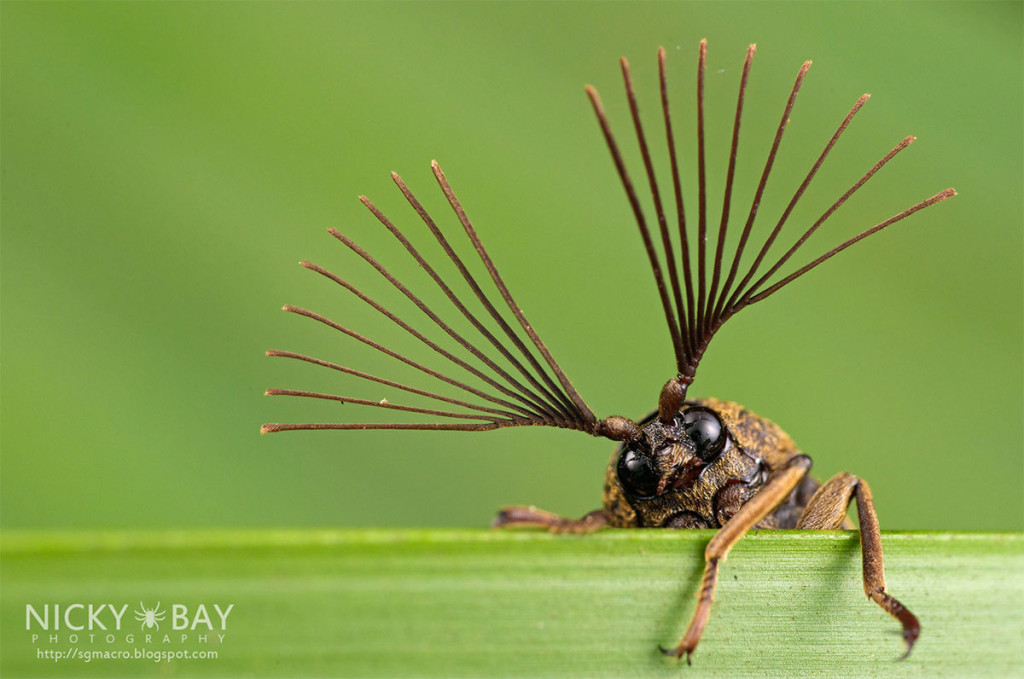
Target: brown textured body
(756, 449)
(701, 463)
(716, 465)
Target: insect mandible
(700, 463)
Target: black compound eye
(637, 474)
(706, 431)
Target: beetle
(692, 463)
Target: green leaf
(467, 603)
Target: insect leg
(827, 510)
(774, 492)
(514, 517)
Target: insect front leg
(774, 492)
(827, 511)
(513, 517)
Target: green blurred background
(165, 165)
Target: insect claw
(910, 637)
(676, 653)
(502, 519)
(911, 627)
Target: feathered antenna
(542, 394)
(693, 324)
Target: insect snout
(677, 463)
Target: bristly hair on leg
(536, 391)
(693, 324)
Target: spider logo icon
(150, 617)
